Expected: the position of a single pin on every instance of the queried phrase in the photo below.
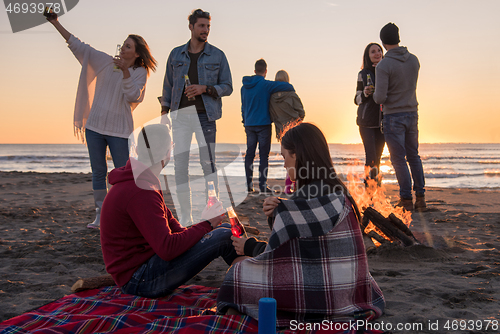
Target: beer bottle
(369, 81)
(117, 54)
(186, 84)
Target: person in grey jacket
(397, 76)
(285, 108)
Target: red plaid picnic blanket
(190, 309)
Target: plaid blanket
(315, 266)
(190, 309)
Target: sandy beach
(454, 275)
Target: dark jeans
(157, 277)
(262, 136)
(373, 141)
(401, 136)
(97, 144)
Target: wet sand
(454, 275)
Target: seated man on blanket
(145, 249)
(315, 264)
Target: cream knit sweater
(104, 100)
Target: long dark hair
(145, 58)
(367, 63)
(312, 158)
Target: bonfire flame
(370, 194)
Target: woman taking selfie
(109, 89)
(314, 264)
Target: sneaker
(250, 190)
(420, 203)
(96, 223)
(93, 225)
(406, 204)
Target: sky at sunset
(319, 43)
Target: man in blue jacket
(255, 95)
(195, 108)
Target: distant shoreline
(468, 166)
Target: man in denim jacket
(194, 108)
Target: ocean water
(445, 165)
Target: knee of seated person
(222, 232)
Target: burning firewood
(388, 228)
(402, 226)
(380, 239)
(364, 222)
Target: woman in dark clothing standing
(369, 113)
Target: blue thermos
(267, 316)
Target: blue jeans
(97, 144)
(186, 122)
(157, 277)
(401, 136)
(373, 141)
(261, 135)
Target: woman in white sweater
(109, 89)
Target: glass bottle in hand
(187, 83)
(212, 195)
(236, 227)
(117, 56)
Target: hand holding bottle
(188, 88)
(214, 214)
(370, 87)
(369, 90)
(49, 14)
(194, 90)
(239, 244)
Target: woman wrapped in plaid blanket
(315, 264)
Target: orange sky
(319, 43)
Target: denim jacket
(213, 70)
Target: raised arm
(96, 59)
(52, 18)
(279, 86)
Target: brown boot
(406, 204)
(420, 203)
